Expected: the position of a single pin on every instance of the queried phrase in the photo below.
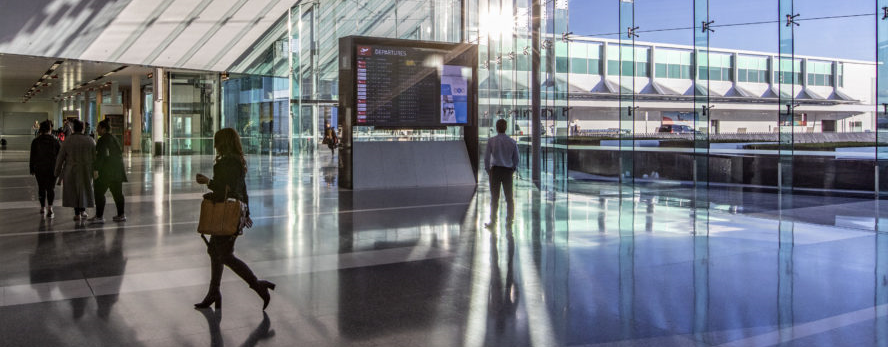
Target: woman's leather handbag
(221, 218)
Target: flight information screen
(400, 86)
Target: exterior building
(833, 95)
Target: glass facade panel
(690, 91)
(821, 133)
(193, 112)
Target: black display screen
(398, 86)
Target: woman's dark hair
(227, 142)
(45, 126)
(77, 126)
(105, 124)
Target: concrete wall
(10, 112)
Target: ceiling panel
(18, 73)
(190, 34)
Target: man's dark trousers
(501, 177)
(101, 187)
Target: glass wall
(258, 107)
(642, 92)
(315, 29)
(766, 93)
(193, 112)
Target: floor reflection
(59, 257)
(214, 320)
(615, 266)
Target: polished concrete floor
(653, 265)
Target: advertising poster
(454, 97)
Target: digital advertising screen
(404, 86)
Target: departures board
(413, 84)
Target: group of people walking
(86, 169)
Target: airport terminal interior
(689, 173)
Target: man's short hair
(78, 126)
(45, 126)
(501, 126)
(105, 124)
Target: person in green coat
(109, 173)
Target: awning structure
(660, 89)
(700, 89)
(776, 92)
(740, 92)
(838, 94)
(586, 87)
(809, 94)
(614, 87)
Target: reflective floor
(604, 266)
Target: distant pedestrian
(75, 165)
(35, 129)
(68, 129)
(108, 173)
(330, 138)
(500, 162)
(44, 150)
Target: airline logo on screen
(365, 51)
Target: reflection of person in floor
(43, 259)
(214, 317)
(113, 264)
(504, 296)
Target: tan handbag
(222, 218)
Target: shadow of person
(112, 261)
(214, 320)
(262, 332)
(41, 262)
(508, 301)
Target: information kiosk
(406, 85)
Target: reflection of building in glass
(833, 95)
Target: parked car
(675, 129)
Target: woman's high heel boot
(261, 288)
(212, 297)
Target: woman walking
(109, 173)
(228, 182)
(330, 138)
(44, 150)
(75, 160)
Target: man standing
(501, 161)
(109, 173)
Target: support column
(115, 92)
(135, 126)
(78, 106)
(157, 130)
(535, 95)
(84, 107)
(99, 97)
